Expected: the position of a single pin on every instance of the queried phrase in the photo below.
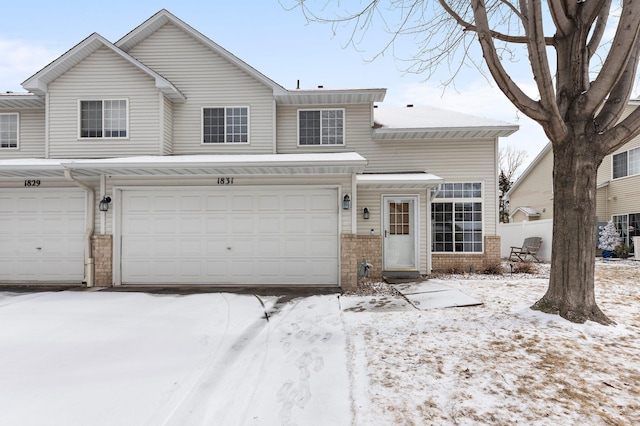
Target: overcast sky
(277, 42)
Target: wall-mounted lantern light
(346, 202)
(104, 204)
(365, 214)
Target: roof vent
(320, 87)
(409, 105)
(375, 106)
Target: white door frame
(414, 214)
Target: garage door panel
(42, 235)
(248, 236)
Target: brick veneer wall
(103, 260)
(448, 262)
(355, 248)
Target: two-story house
(618, 193)
(164, 159)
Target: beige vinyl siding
(103, 75)
(535, 190)
(623, 194)
(207, 80)
(357, 124)
(31, 142)
(167, 127)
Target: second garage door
(228, 235)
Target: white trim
(17, 147)
(416, 223)
(118, 213)
(225, 143)
(103, 137)
(481, 200)
(344, 127)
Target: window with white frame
(628, 226)
(456, 218)
(9, 130)
(321, 127)
(104, 118)
(626, 163)
(225, 125)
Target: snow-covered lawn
(105, 358)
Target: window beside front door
(225, 125)
(104, 118)
(456, 219)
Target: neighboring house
(618, 195)
(531, 195)
(164, 159)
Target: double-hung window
(9, 130)
(626, 163)
(321, 127)
(225, 125)
(456, 218)
(104, 118)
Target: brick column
(103, 260)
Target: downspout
(91, 200)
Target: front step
(398, 276)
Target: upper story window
(456, 218)
(321, 127)
(104, 119)
(626, 163)
(9, 130)
(225, 125)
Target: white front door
(400, 231)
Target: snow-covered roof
(193, 165)
(527, 210)
(426, 122)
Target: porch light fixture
(104, 204)
(365, 213)
(346, 202)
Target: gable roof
(529, 169)
(37, 83)
(435, 123)
(161, 18)
(527, 210)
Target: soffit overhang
(190, 166)
(398, 181)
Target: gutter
(88, 259)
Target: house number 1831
(225, 181)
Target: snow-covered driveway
(97, 358)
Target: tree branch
(615, 64)
(559, 16)
(523, 102)
(598, 30)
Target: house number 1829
(32, 182)
(225, 181)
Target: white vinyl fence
(513, 234)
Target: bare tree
(582, 92)
(510, 160)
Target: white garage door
(230, 236)
(41, 235)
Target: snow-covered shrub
(609, 239)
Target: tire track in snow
(218, 378)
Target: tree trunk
(571, 285)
